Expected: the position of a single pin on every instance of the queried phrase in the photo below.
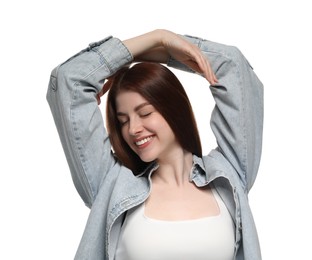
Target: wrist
(159, 37)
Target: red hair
(162, 89)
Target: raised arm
(72, 96)
(237, 119)
(75, 88)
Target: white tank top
(208, 238)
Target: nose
(135, 126)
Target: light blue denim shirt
(110, 189)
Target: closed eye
(146, 111)
(122, 123)
(122, 119)
(145, 114)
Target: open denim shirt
(110, 189)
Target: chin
(148, 159)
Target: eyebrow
(136, 109)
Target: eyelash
(146, 114)
(142, 115)
(123, 123)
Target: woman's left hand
(159, 44)
(189, 54)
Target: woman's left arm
(237, 118)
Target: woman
(157, 197)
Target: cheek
(166, 129)
(162, 124)
(157, 122)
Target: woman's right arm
(72, 96)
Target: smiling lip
(143, 142)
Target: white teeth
(143, 141)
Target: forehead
(128, 100)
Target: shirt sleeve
(237, 118)
(71, 95)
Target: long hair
(162, 89)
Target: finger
(211, 77)
(205, 71)
(205, 67)
(215, 79)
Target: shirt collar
(198, 168)
(198, 174)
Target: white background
(42, 216)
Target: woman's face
(143, 128)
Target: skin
(144, 129)
(173, 196)
(148, 134)
(159, 45)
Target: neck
(174, 170)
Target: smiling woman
(142, 89)
(158, 188)
(145, 131)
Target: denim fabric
(110, 189)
